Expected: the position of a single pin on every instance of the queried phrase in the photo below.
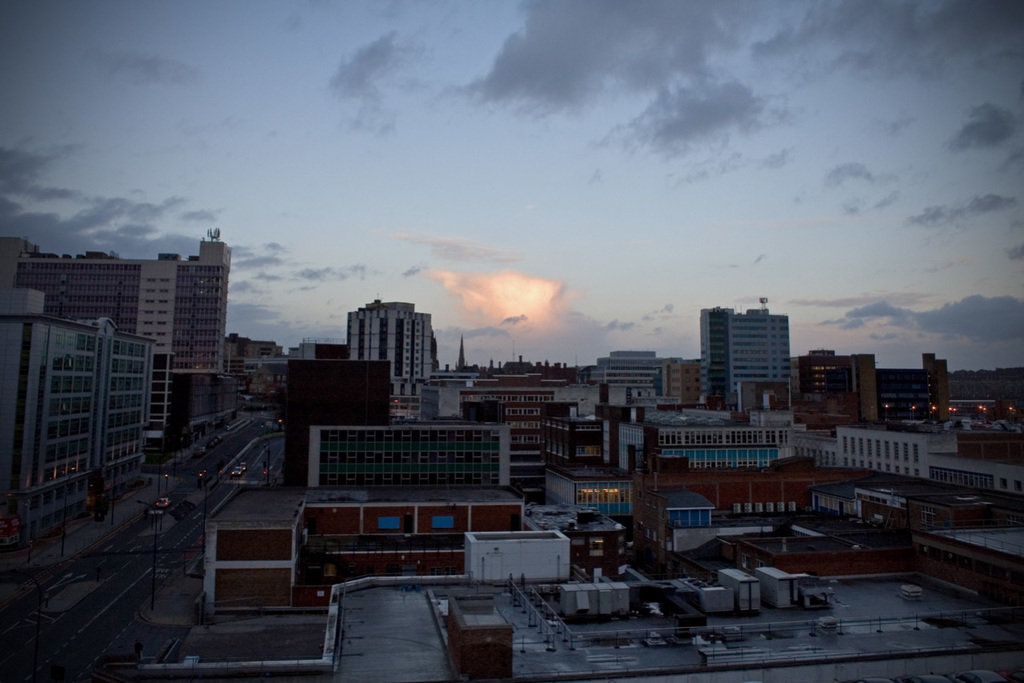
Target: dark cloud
(1017, 253)
(976, 318)
(330, 273)
(851, 171)
(20, 171)
(988, 126)
(616, 325)
(679, 117)
(360, 77)
(944, 215)
(143, 69)
(569, 52)
(887, 199)
(513, 320)
(414, 271)
(199, 216)
(894, 38)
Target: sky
(549, 180)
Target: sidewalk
(80, 535)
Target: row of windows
(63, 450)
(412, 436)
(66, 384)
(720, 437)
(409, 479)
(74, 426)
(979, 566)
(66, 339)
(395, 523)
(127, 417)
(962, 477)
(871, 464)
(728, 457)
(855, 446)
(75, 363)
(70, 405)
(128, 367)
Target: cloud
(892, 38)
(1016, 253)
(460, 249)
(851, 171)
(679, 117)
(777, 160)
(497, 298)
(20, 171)
(199, 216)
(329, 273)
(903, 298)
(361, 76)
(988, 126)
(414, 271)
(975, 318)
(568, 53)
(616, 325)
(144, 69)
(944, 214)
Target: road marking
(111, 603)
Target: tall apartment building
(74, 400)
(901, 393)
(742, 347)
(179, 303)
(395, 332)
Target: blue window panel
(443, 523)
(389, 523)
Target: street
(91, 603)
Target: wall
(479, 651)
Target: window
(442, 522)
(389, 523)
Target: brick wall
(253, 587)
(254, 544)
(483, 651)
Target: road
(91, 602)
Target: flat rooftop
(268, 506)
(396, 633)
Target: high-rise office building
(742, 347)
(395, 332)
(179, 303)
(74, 401)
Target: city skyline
(552, 181)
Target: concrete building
(681, 380)
(597, 542)
(74, 401)
(178, 303)
(395, 332)
(425, 454)
(637, 369)
(742, 347)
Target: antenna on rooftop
(764, 304)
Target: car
(926, 678)
(163, 503)
(979, 676)
(237, 472)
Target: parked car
(163, 503)
(979, 676)
(926, 678)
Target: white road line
(111, 603)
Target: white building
(639, 369)
(395, 332)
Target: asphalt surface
(120, 585)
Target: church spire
(461, 365)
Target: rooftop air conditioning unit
(758, 507)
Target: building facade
(742, 347)
(179, 303)
(638, 369)
(435, 454)
(74, 401)
(395, 332)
